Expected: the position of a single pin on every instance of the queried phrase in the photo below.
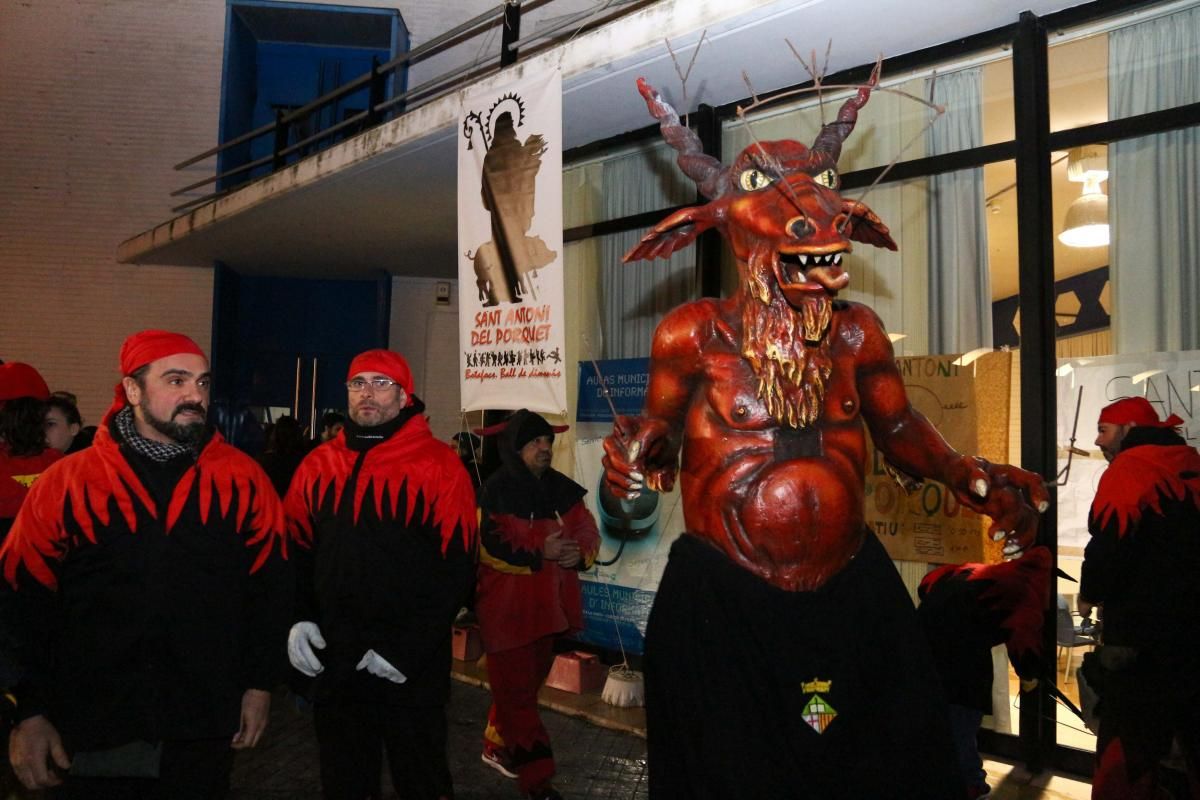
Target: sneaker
(499, 761)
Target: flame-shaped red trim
(1140, 480)
(1014, 593)
(410, 464)
(86, 484)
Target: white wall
(426, 334)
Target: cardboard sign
(970, 406)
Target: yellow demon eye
(828, 179)
(752, 179)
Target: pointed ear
(673, 233)
(865, 227)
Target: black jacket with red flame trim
(146, 597)
(967, 609)
(1143, 560)
(384, 535)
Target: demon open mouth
(802, 274)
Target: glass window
(629, 181)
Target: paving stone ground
(593, 763)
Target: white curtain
(1154, 186)
(630, 299)
(635, 296)
(960, 294)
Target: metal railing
(381, 107)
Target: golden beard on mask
(788, 350)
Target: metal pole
(312, 413)
(1035, 269)
(296, 394)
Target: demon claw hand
(1011, 496)
(638, 456)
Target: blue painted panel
(262, 77)
(626, 379)
(238, 82)
(609, 607)
(280, 319)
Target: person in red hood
(1140, 568)
(21, 380)
(24, 454)
(145, 585)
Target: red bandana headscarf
(384, 362)
(144, 348)
(21, 380)
(1136, 411)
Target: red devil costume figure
(1140, 567)
(779, 618)
(383, 518)
(147, 590)
(536, 536)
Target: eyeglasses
(378, 384)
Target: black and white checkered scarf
(155, 451)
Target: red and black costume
(1141, 564)
(965, 611)
(523, 600)
(383, 521)
(17, 474)
(146, 597)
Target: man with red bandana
(1141, 568)
(146, 587)
(383, 521)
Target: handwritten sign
(970, 407)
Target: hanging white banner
(510, 268)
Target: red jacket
(17, 474)
(522, 597)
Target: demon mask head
(779, 208)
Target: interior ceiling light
(1086, 223)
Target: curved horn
(829, 140)
(705, 170)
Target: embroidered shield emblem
(818, 713)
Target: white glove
(378, 666)
(302, 638)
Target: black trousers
(353, 735)
(191, 770)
